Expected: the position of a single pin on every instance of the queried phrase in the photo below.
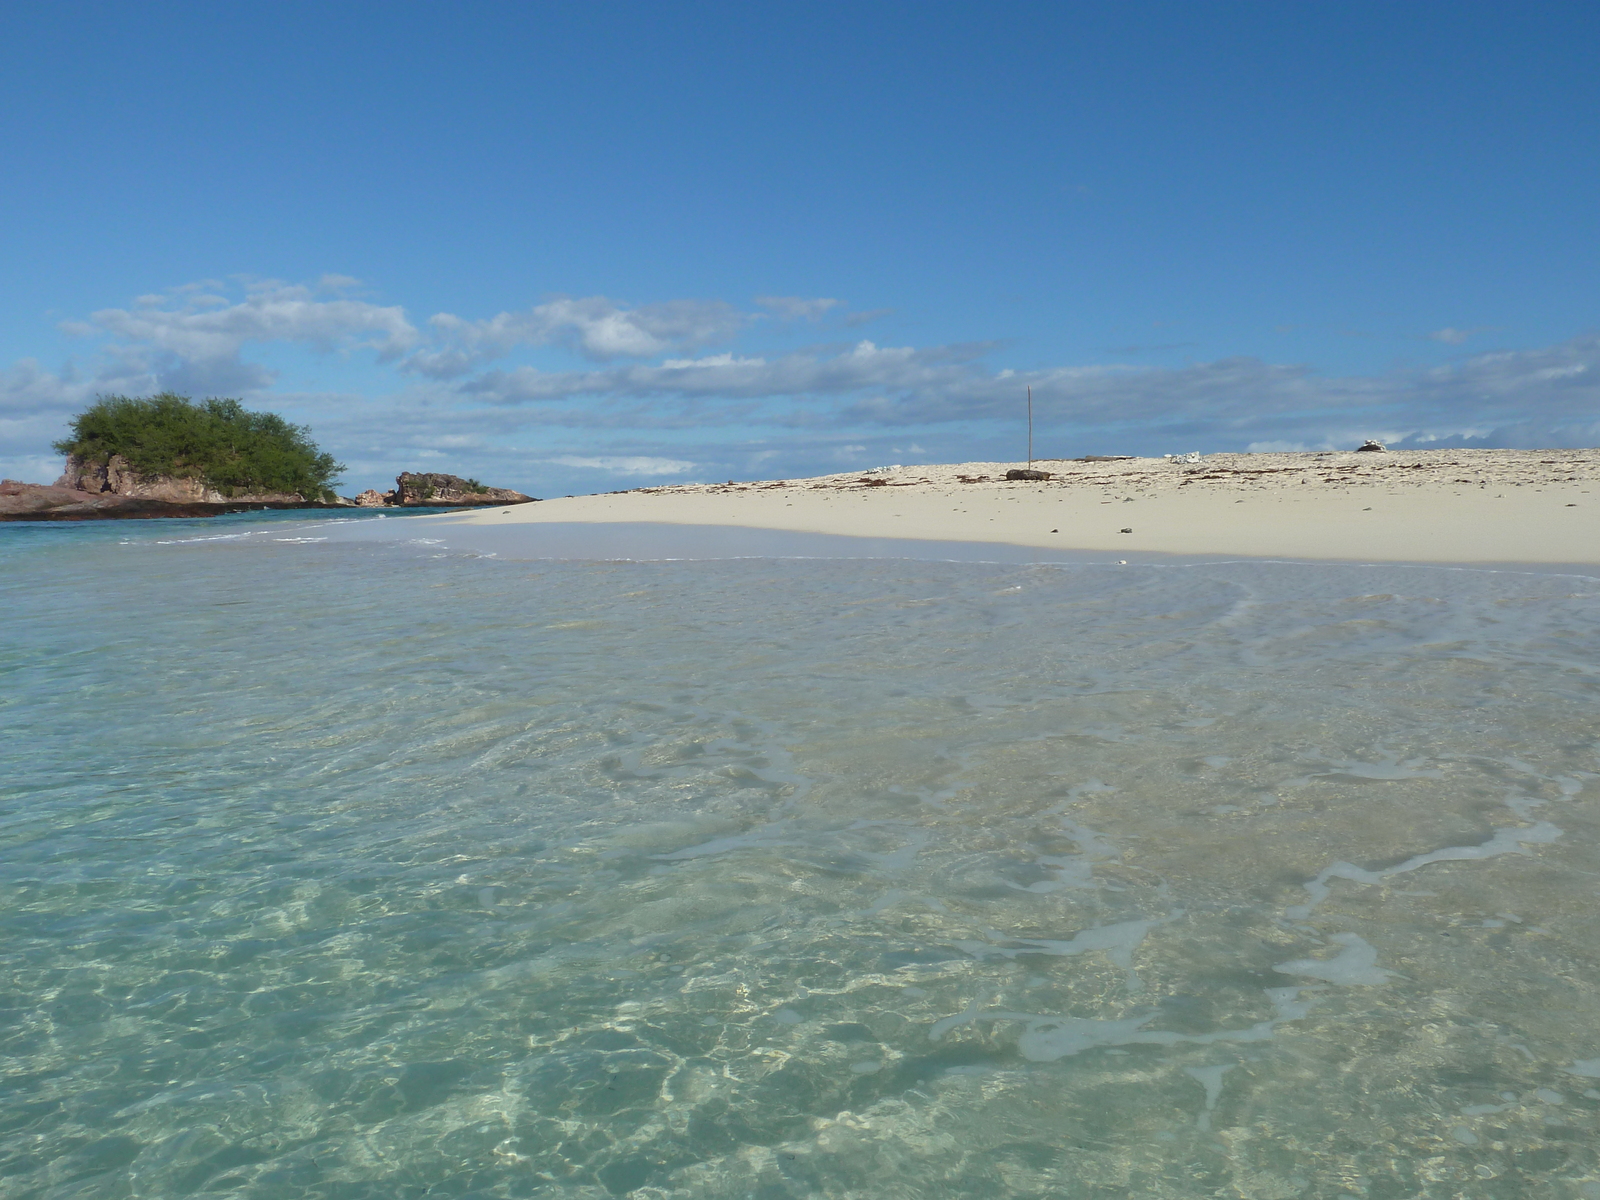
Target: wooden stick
(1030, 427)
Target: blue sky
(575, 247)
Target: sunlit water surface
(381, 870)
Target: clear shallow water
(373, 869)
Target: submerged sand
(1532, 506)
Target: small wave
(215, 537)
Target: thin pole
(1030, 427)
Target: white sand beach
(1463, 506)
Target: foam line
(1504, 841)
(1356, 964)
(1049, 1038)
(1209, 1078)
(761, 839)
(1118, 942)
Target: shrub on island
(216, 443)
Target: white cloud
(190, 339)
(596, 327)
(1455, 337)
(27, 390)
(796, 308)
(802, 408)
(625, 464)
(829, 371)
(1551, 393)
(710, 360)
(29, 468)
(201, 327)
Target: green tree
(217, 441)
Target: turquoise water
(378, 868)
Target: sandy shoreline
(1461, 506)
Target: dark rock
(1027, 473)
(1371, 445)
(416, 490)
(1127, 529)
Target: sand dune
(1533, 506)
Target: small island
(168, 456)
(413, 489)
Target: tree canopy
(218, 441)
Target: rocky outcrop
(87, 491)
(46, 502)
(118, 478)
(430, 490)
(19, 499)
